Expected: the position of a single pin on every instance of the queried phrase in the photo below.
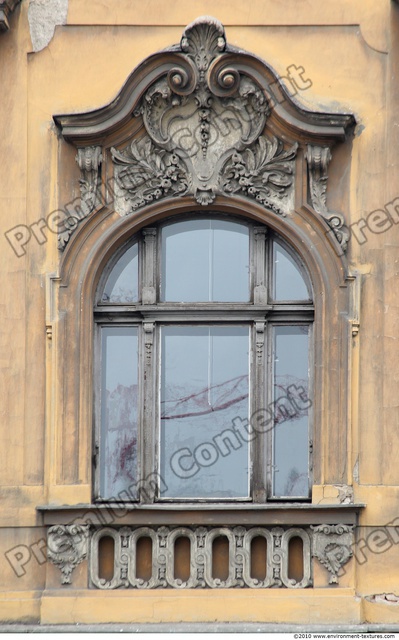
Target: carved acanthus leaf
(67, 547)
(264, 172)
(145, 173)
(332, 546)
(318, 159)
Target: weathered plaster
(44, 16)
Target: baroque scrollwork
(318, 159)
(204, 122)
(332, 546)
(67, 547)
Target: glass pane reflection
(122, 282)
(204, 387)
(291, 409)
(204, 261)
(119, 403)
(288, 281)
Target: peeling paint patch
(44, 16)
(345, 493)
(386, 598)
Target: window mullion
(311, 408)
(148, 365)
(98, 366)
(259, 416)
(260, 289)
(149, 266)
(269, 393)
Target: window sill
(193, 514)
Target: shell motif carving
(204, 122)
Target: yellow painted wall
(350, 51)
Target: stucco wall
(350, 52)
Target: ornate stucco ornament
(204, 122)
(276, 569)
(332, 546)
(67, 547)
(89, 160)
(318, 159)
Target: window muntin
(261, 316)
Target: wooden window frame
(261, 313)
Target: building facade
(199, 414)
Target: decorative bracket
(67, 547)
(332, 546)
(318, 159)
(89, 160)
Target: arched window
(208, 328)
(204, 368)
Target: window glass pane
(204, 261)
(119, 403)
(291, 412)
(289, 283)
(122, 282)
(204, 387)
